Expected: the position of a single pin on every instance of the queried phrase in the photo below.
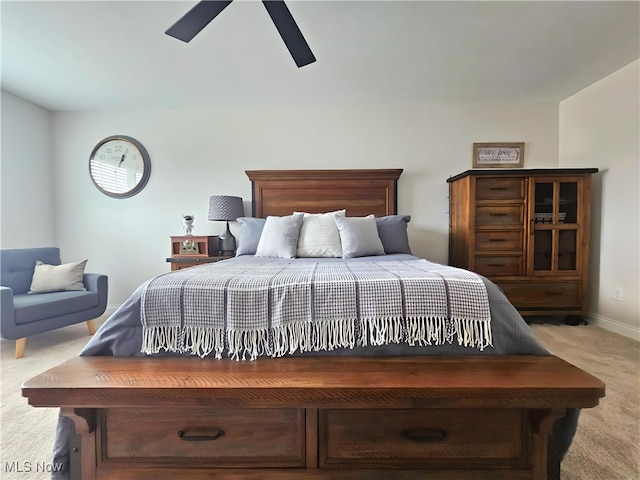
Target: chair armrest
(94, 282)
(7, 312)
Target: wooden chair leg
(21, 343)
(92, 327)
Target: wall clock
(119, 166)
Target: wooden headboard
(361, 192)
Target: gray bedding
(122, 335)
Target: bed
(163, 320)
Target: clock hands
(121, 160)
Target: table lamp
(224, 208)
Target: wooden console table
(339, 418)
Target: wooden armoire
(527, 230)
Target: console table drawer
(224, 437)
(411, 438)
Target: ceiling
(95, 55)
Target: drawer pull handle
(199, 438)
(497, 239)
(497, 214)
(497, 264)
(425, 435)
(553, 294)
(497, 188)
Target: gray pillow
(249, 236)
(359, 236)
(392, 231)
(280, 236)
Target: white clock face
(120, 154)
(119, 166)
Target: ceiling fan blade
(196, 19)
(289, 31)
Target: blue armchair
(23, 314)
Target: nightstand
(190, 250)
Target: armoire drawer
(499, 240)
(499, 189)
(224, 437)
(499, 265)
(411, 438)
(499, 215)
(542, 294)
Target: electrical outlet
(617, 294)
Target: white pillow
(359, 236)
(57, 278)
(279, 236)
(319, 235)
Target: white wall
(27, 207)
(200, 152)
(600, 126)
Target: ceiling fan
(203, 12)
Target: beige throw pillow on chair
(57, 278)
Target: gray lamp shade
(225, 208)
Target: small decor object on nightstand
(189, 247)
(225, 208)
(187, 224)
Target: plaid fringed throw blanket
(276, 308)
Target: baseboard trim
(615, 326)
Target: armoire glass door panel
(543, 249)
(543, 202)
(568, 202)
(556, 202)
(567, 244)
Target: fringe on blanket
(325, 335)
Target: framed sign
(498, 155)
